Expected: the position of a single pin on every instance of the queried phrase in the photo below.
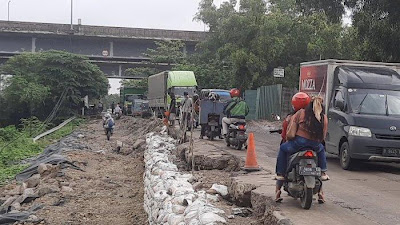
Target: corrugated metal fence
(251, 100)
(268, 100)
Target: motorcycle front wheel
(306, 199)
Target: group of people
(116, 109)
(306, 126)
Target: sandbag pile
(169, 198)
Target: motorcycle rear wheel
(306, 199)
(108, 135)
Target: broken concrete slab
(33, 181)
(208, 157)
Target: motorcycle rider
(307, 128)
(236, 111)
(108, 122)
(299, 101)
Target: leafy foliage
(40, 79)
(17, 145)
(246, 45)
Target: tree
(259, 37)
(41, 79)
(170, 52)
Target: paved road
(369, 195)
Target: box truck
(161, 85)
(362, 102)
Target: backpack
(110, 123)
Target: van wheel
(346, 162)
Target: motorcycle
(108, 131)
(213, 127)
(118, 115)
(237, 135)
(303, 177)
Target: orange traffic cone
(251, 158)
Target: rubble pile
(169, 196)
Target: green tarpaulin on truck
(181, 79)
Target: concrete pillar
(111, 48)
(120, 70)
(33, 44)
(184, 51)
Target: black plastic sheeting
(10, 218)
(51, 155)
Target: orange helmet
(235, 92)
(300, 101)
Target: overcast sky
(163, 14)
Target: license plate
(310, 171)
(391, 152)
(213, 123)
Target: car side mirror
(339, 104)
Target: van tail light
(308, 154)
(242, 127)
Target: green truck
(176, 82)
(128, 96)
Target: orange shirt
(297, 126)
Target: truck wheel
(346, 162)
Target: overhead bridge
(113, 49)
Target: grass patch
(16, 145)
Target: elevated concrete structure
(114, 49)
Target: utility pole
(72, 26)
(8, 12)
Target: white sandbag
(191, 215)
(178, 209)
(210, 217)
(194, 222)
(175, 219)
(221, 189)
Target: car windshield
(376, 102)
(224, 96)
(178, 91)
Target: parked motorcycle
(213, 127)
(237, 136)
(303, 177)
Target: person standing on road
(112, 107)
(236, 111)
(172, 110)
(100, 107)
(307, 128)
(186, 108)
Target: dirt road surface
(110, 191)
(369, 195)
